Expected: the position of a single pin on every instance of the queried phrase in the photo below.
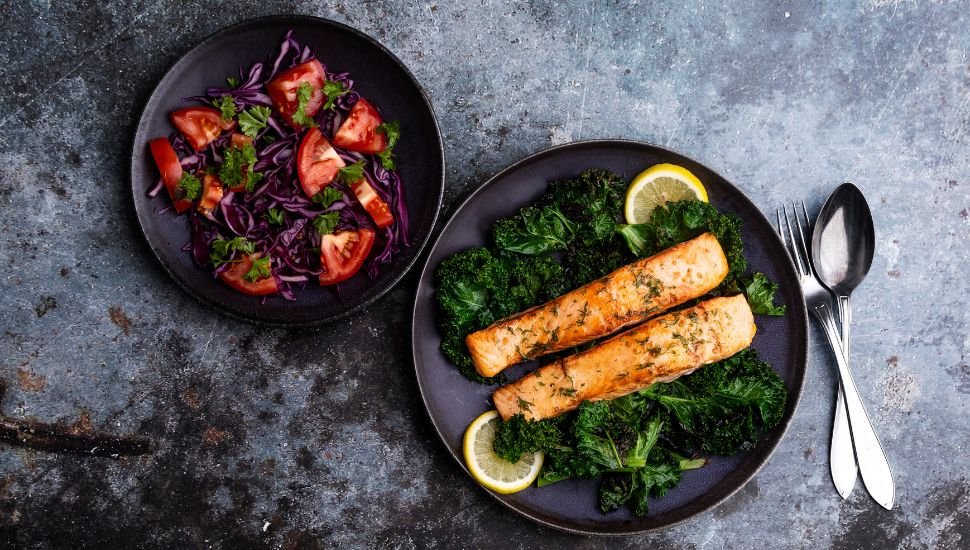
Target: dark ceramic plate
(452, 401)
(378, 75)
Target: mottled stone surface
(306, 438)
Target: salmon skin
(660, 350)
(626, 296)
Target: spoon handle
(873, 464)
(841, 457)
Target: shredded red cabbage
(294, 246)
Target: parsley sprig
(391, 130)
(253, 119)
(328, 196)
(332, 90)
(352, 173)
(326, 223)
(259, 270)
(227, 107)
(223, 249)
(188, 188)
(303, 95)
(237, 167)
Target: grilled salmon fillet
(660, 350)
(626, 296)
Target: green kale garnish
(760, 291)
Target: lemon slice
(658, 185)
(491, 470)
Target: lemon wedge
(658, 185)
(491, 470)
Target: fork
(873, 465)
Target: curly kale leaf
(517, 436)
(534, 231)
(723, 407)
(760, 291)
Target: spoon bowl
(844, 240)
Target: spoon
(843, 243)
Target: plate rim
(391, 282)
(794, 395)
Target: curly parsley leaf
(223, 249)
(760, 292)
(275, 216)
(326, 223)
(392, 131)
(332, 90)
(227, 107)
(303, 95)
(189, 187)
(253, 119)
(259, 270)
(237, 167)
(352, 173)
(232, 81)
(328, 196)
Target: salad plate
(376, 74)
(452, 401)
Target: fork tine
(781, 233)
(793, 246)
(803, 248)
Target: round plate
(378, 75)
(453, 401)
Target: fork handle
(873, 465)
(841, 456)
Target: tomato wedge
(317, 162)
(234, 276)
(211, 193)
(343, 253)
(359, 132)
(200, 125)
(372, 203)
(171, 170)
(282, 90)
(241, 140)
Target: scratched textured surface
(273, 438)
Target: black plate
(453, 401)
(378, 75)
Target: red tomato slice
(372, 203)
(241, 140)
(168, 164)
(234, 276)
(282, 90)
(200, 125)
(343, 253)
(359, 132)
(317, 162)
(211, 193)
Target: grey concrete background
(275, 438)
